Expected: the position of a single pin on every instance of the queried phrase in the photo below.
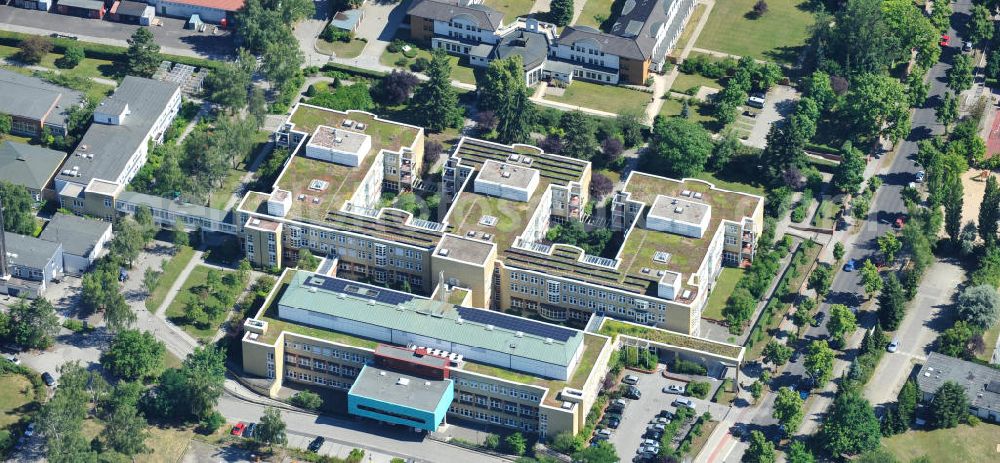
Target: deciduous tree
(18, 215)
(679, 147)
(850, 426)
(850, 173)
(889, 245)
(760, 450)
(788, 409)
(271, 429)
(979, 305)
(34, 324)
(33, 48)
(819, 362)
(960, 74)
(134, 355)
(870, 279)
(777, 353)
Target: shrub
(307, 399)
(33, 49)
(699, 389)
(492, 442)
(688, 367)
(71, 57)
(211, 423)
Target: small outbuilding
(93, 9)
(82, 240)
(133, 13)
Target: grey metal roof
(28, 165)
(610, 44)
(175, 207)
(975, 378)
(33, 98)
(83, 4)
(444, 10)
(532, 47)
(400, 388)
(127, 8)
(346, 20)
(113, 145)
(29, 251)
(78, 235)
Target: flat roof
(412, 356)
(108, 148)
(78, 235)
(400, 388)
(670, 207)
(34, 98)
(176, 207)
(338, 139)
(28, 251)
(28, 165)
(473, 249)
(514, 175)
(476, 328)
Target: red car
(945, 39)
(238, 429)
(900, 221)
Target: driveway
(171, 35)
(639, 413)
(779, 103)
(925, 318)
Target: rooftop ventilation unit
(519, 334)
(661, 256)
(403, 381)
(489, 327)
(686, 193)
(698, 195)
(645, 270)
(381, 373)
(549, 341)
(443, 252)
(487, 236)
(678, 210)
(312, 289)
(526, 160)
(505, 174)
(514, 157)
(686, 294)
(471, 234)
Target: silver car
(683, 402)
(673, 389)
(893, 346)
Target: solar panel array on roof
(508, 322)
(359, 290)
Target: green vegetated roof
(555, 169)
(613, 328)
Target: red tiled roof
(227, 5)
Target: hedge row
(100, 50)
(352, 70)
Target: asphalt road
(888, 201)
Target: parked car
(633, 393)
(653, 434)
(920, 176)
(631, 380)
(756, 100)
(945, 40)
(48, 379)
(238, 429)
(673, 389)
(618, 405)
(614, 421)
(13, 359)
(683, 402)
(656, 428)
(251, 428)
(818, 318)
(316, 444)
(893, 346)
(850, 265)
(603, 434)
(967, 46)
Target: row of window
(328, 352)
(555, 288)
(333, 368)
(507, 421)
(498, 389)
(318, 380)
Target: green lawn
(511, 9)
(460, 72)
(777, 36)
(824, 218)
(684, 82)
(222, 194)
(732, 185)
(170, 273)
(602, 97)
(961, 444)
(175, 311)
(17, 394)
(989, 340)
(697, 113)
(341, 49)
(594, 13)
(723, 288)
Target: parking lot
(170, 35)
(639, 413)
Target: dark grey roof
(33, 98)
(444, 10)
(78, 235)
(533, 47)
(28, 251)
(610, 44)
(113, 145)
(975, 378)
(399, 388)
(83, 4)
(28, 165)
(127, 8)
